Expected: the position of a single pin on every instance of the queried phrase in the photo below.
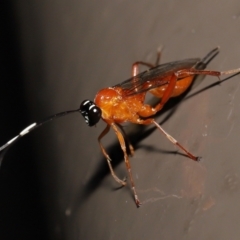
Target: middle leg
(130, 146)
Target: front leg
(104, 132)
(128, 166)
(130, 146)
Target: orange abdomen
(181, 86)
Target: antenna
(30, 128)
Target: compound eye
(90, 112)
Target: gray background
(55, 184)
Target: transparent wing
(154, 77)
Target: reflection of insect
(124, 102)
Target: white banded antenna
(30, 128)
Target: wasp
(125, 102)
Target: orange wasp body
(124, 102)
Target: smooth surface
(68, 50)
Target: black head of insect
(90, 112)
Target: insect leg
(131, 148)
(167, 94)
(190, 72)
(182, 86)
(148, 111)
(169, 137)
(159, 53)
(104, 132)
(135, 66)
(128, 166)
(174, 141)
